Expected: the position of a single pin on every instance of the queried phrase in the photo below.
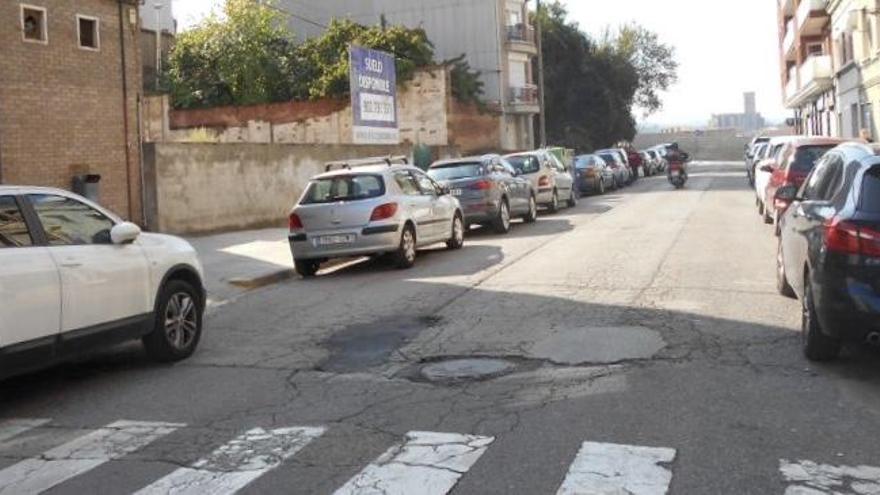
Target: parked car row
(823, 196)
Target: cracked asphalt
(647, 317)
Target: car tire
(782, 284)
(405, 255)
(177, 325)
(554, 202)
(816, 345)
(307, 268)
(501, 223)
(457, 239)
(532, 215)
(572, 198)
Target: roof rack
(366, 162)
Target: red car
(636, 161)
(795, 164)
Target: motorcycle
(676, 174)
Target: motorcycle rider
(675, 155)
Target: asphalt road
(642, 347)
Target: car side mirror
(124, 233)
(444, 190)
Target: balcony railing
(808, 12)
(791, 87)
(816, 77)
(788, 40)
(521, 33)
(523, 95)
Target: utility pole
(158, 7)
(542, 115)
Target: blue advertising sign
(373, 96)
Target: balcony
(791, 88)
(523, 99)
(788, 51)
(521, 37)
(816, 77)
(812, 17)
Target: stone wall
(723, 145)
(210, 187)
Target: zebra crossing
(423, 462)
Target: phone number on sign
(377, 107)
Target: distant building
(70, 83)
(494, 35)
(155, 15)
(748, 121)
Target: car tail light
(544, 181)
(294, 222)
(847, 238)
(384, 212)
(482, 185)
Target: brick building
(70, 85)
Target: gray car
(489, 189)
(368, 209)
(551, 179)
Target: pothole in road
(364, 346)
(466, 369)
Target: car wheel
(457, 239)
(554, 202)
(572, 199)
(782, 284)
(532, 215)
(178, 323)
(307, 268)
(501, 224)
(817, 346)
(405, 256)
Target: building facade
(494, 35)
(748, 121)
(73, 110)
(156, 18)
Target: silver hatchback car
(365, 208)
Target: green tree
(240, 58)
(653, 60)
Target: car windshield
(609, 159)
(870, 197)
(583, 162)
(455, 171)
(525, 164)
(344, 188)
(807, 156)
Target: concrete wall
(201, 188)
(726, 145)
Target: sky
(723, 50)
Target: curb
(263, 280)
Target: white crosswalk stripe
(609, 469)
(427, 463)
(80, 455)
(236, 464)
(11, 428)
(811, 478)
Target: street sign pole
(542, 114)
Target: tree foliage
(653, 60)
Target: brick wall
(61, 107)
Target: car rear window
(609, 159)
(583, 162)
(344, 188)
(870, 198)
(806, 157)
(13, 229)
(455, 171)
(525, 164)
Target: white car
(550, 177)
(74, 277)
(764, 168)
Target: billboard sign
(373, 96)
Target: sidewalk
(238, 261)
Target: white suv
(74, 277)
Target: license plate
(329, 240)
(456, 192)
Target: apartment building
(69, 91)
(494, 35)
(807, 65)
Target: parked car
(661, 158)
(369, 209)
(635, 160)
(619, 171)
(764, 168)
(758, 154)
(652, 166)
(829, 251)
(592, 174)
(74, 278)
(623, 160)
(489, 190)
(752, 145)
(550, 177)
(796, 161)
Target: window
(13, 229)
(87, 30)
(869, 201)
(508, 168)
(807, 156)
(407, 184)
(344, 188)
(33, 24)
(426, 185)
(68, 222)
(526, 164)
(825, 179)
(455, 171)
(814, 49)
